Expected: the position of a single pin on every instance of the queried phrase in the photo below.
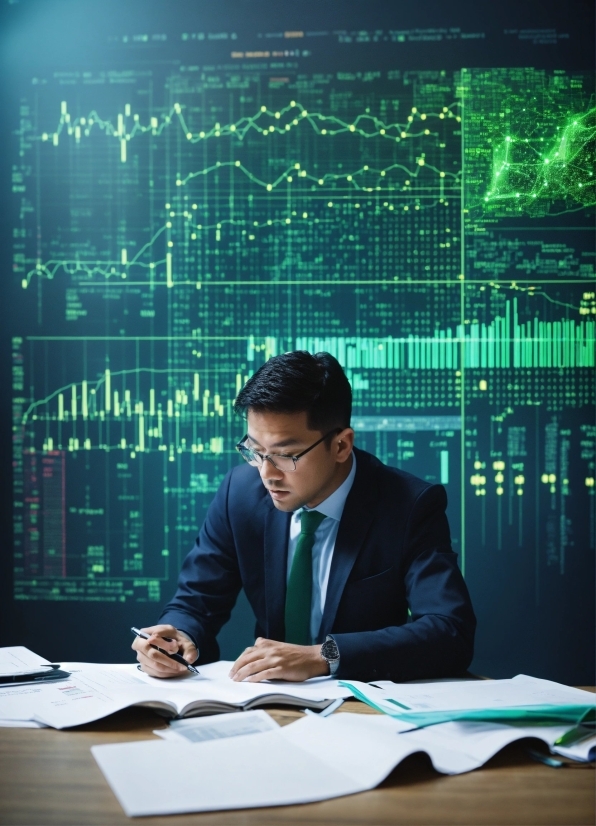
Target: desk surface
(50, 777)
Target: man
(347, 563)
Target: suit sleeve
(209, 581)
(438, 641)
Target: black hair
(300, 381)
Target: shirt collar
(333, 506)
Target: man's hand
(271, 660)
(169, 639)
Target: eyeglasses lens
(283, 463)
(251, 457)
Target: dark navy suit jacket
(393, 552)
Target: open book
(93, 691)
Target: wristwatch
(330, 653)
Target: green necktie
(299, 591)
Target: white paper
(462, 746)
(93, 691)
(21, 702)
(21, 724)
(471, 694)
(237, 773)
(315, 689)
(312, 759)
(584, 751)
(18, 701)
(363, 747)
(17, 659)
(367, 747)
(213, 683)
(216, 727)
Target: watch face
(329, 650)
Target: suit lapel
(358, 513)
(277, 528)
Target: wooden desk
(50, 777)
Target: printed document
(217, 726)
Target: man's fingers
(250, 655)
(166, 631)
(245, 659)
(259, 670)
(190, 652)
(155, 672)
(152, 653)
(166, 645)
(157, 659)
(268, 674)
(165, 662)
(156, 663)
(247, 656)
(146, 647)
(156, 669)
(251, 669)
(243, 664)
(174, 644)
(164, 636)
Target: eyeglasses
(287, 464)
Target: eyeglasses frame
(270, 456)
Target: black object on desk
(46, 673)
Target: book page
(213, 684)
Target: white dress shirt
(322, 552)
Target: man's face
(317, 474)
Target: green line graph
(295, 173)
(128, 126)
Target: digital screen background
(188, 201)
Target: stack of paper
(312, 759)
(16, 710)
(523, 699)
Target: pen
(575, 735)
(177, 657)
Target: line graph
(296, 173)
(294, 114)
